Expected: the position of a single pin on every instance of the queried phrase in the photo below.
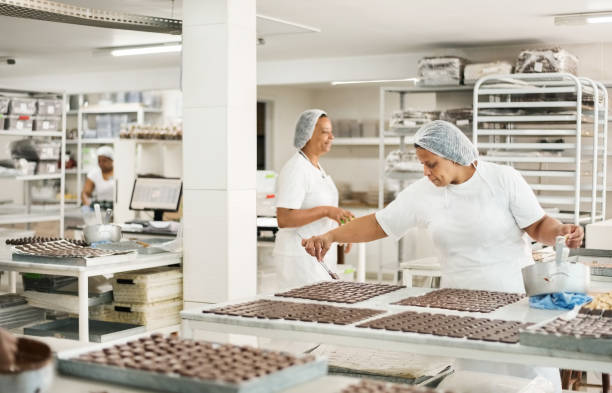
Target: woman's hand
(8, 351)
(317, 246)
(339, 215)
(347, 247)
(573, 235)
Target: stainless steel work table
(350, 335)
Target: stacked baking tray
(150, 297)
(15, 312)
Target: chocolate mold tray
(294, 311)
(454, 326)
(340, 291)
(589, 331)
(463, 300)
(186, 366)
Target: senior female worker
(306, 203)
(477, 212)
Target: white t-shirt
(104, 190)
(475, 226)
(300, 185)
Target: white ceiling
(348, 28)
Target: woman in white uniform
(100, 184)
(306, 203)
(478, 214)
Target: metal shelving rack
(514, 113)
(83, 112)
(402, 137)
(29, 217)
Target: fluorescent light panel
(374, 81)
(584, 18)
(146, 50)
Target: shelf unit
(25, 214)
(82, 113)
(401, 136)
(570, 111)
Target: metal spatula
(331, 274)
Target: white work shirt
(475, 226)
(104, 190)
(300, 185)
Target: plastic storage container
(46, 123)
(22, 106)
(148, 285)
(48, 150)
(4, 104)
(49, 107)
(151, 315)
(47, 168)
(19, 123)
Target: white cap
(106, 151)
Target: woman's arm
(547, 229)
(293, 218)
(363, 229)
(87, 192)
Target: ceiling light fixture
(583, 18)
(146, 50)
(335, 83)
(600, 19)
(170, 47)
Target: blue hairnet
(445, 140)
(305, 126)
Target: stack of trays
(150, 297)
(15, 312)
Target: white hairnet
(305, 126)
(445, 140)
(105, 151)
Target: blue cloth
(559, 301)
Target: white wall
(286, 105)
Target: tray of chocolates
(588, 331)
(483, 329)
(39, 239)
(463, 300)
(292, 311)
(340, 291)
(62, 251)
(370, 386)
(172, 364)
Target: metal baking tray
(275, 382)
(76, 261)
(99, 331)
(530, 337)
(132, 245)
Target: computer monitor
(159, 194)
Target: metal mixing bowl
(102, 233)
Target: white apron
(294, 266)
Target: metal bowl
(36, 360)
(553, 277)
(102, 233)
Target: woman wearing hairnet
(307, 203)
(100, 185)
(477, 212)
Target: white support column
(219, 149)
